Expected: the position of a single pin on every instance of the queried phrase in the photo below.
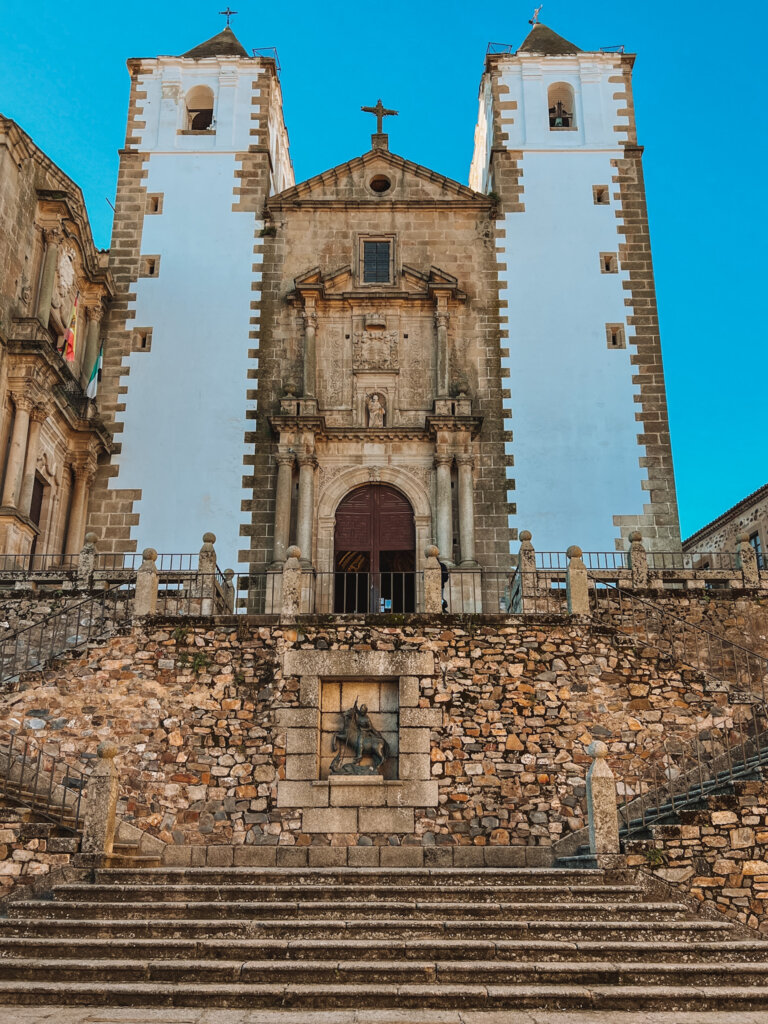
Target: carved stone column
(18, 450)
(84, 473)
(95, 313)
(466, 509)
(310, 329)
(441, 383)
(444, 507)
(48, 277)
(307, 463)
(37, 417)
(285, 462)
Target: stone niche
(388, 683)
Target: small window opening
(199, 108)
(561, 106)
(754, 540)
(380, 183)
(150, 266)
(376, 262)
(601, 195)
(142, 339)
(614, 334)
(155, 203)
(609, 263)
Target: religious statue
(359, 734)
(62, 297)
(375, 411)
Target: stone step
(205, 892)
(400, 996)
(387, 971)
(644, 930)
(504, 950)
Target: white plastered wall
(571, 408)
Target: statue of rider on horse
(360, 735)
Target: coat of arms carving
(376, 350)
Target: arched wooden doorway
(374, 552)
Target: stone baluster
(229, 589)
(444, 506)
(86, 562)
(285, 461)
(101, 803)
(601, 803)
(37, 418)
(307, 463)
(746, 560)
(466, 509)
(291, 596)
(577, 584)
(433, 584)
(310, 330)
(17, 451)
(48, 276)
(83, 479)
(145, 601)
(638, 561)
(441, 383)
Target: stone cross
(381, 112)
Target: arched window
(199, 108)
(561, 104)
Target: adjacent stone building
(748, 518)
(55, 287)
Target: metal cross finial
(535, 19)
(228, 14)
(381, 112)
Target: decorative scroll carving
(376, 350)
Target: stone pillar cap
(597, 749)
(149, 554)
(107, 750)
(574, 551)
(294, 551)
(209, 538)
(635, 537)
(432, 551)
(91, 538)
(525, 536)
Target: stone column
(91, 350)
(307, 463)
(101, 805)
(444, 507)
(466, 509)
(291, 596)
(526, 566)
(145, 600)
(86, 562)
(601, 803)
(441, 383)
(310, 327)
(37, 417)
(206, 575)
(285, 462)
(229, 589)
(18, 450)
(746, 560)
(83, 479)
(576, 582)
(433, 588)
(638, 561)
(48, 277)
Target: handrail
(46, 784)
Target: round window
(380, 183)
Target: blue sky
(699, 92)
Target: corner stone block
(431, 718)
(386, 819)
(330, 819)
(302, 794)
(297, 718)
(413, 794)
(358, 796)
(300, 767)
(414, 767)
(301, 741)
(413, 741)
(409, 691)
(310, 692)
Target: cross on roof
(535, 19)
(228, 14)
(381, 112)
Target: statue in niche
(376, 411)
(359, 734)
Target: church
(379, 358)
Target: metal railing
(64, 630)
(693, 560)
(46, 784)
(20, 565)
(656, 627)
(193, 593)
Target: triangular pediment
(412, 284)
(355, 181)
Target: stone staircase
(328, 938)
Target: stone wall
(199, 711)
(29, 850)
(719, 855)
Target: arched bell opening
(374, 551)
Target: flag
(93, 380)
(70, 338)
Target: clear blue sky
(699, 91)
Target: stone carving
(359, 734)
(376, 350)
(374, 474)
(65, 280)
(376, 410)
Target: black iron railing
(48, 785)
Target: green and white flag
(93, 380)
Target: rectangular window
(609, 263)
(376, 262)
(754, 540)
(601, 195)
(614, 335)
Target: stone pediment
(412, 284)
(409, 183)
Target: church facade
(380, 359)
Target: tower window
(150, 266)
(155, 202)
(199, 109)
(601, 195)
(377, 261)
(614, 335)
(561, 104)
(754, 540)
(609, 263)
(142, 339)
